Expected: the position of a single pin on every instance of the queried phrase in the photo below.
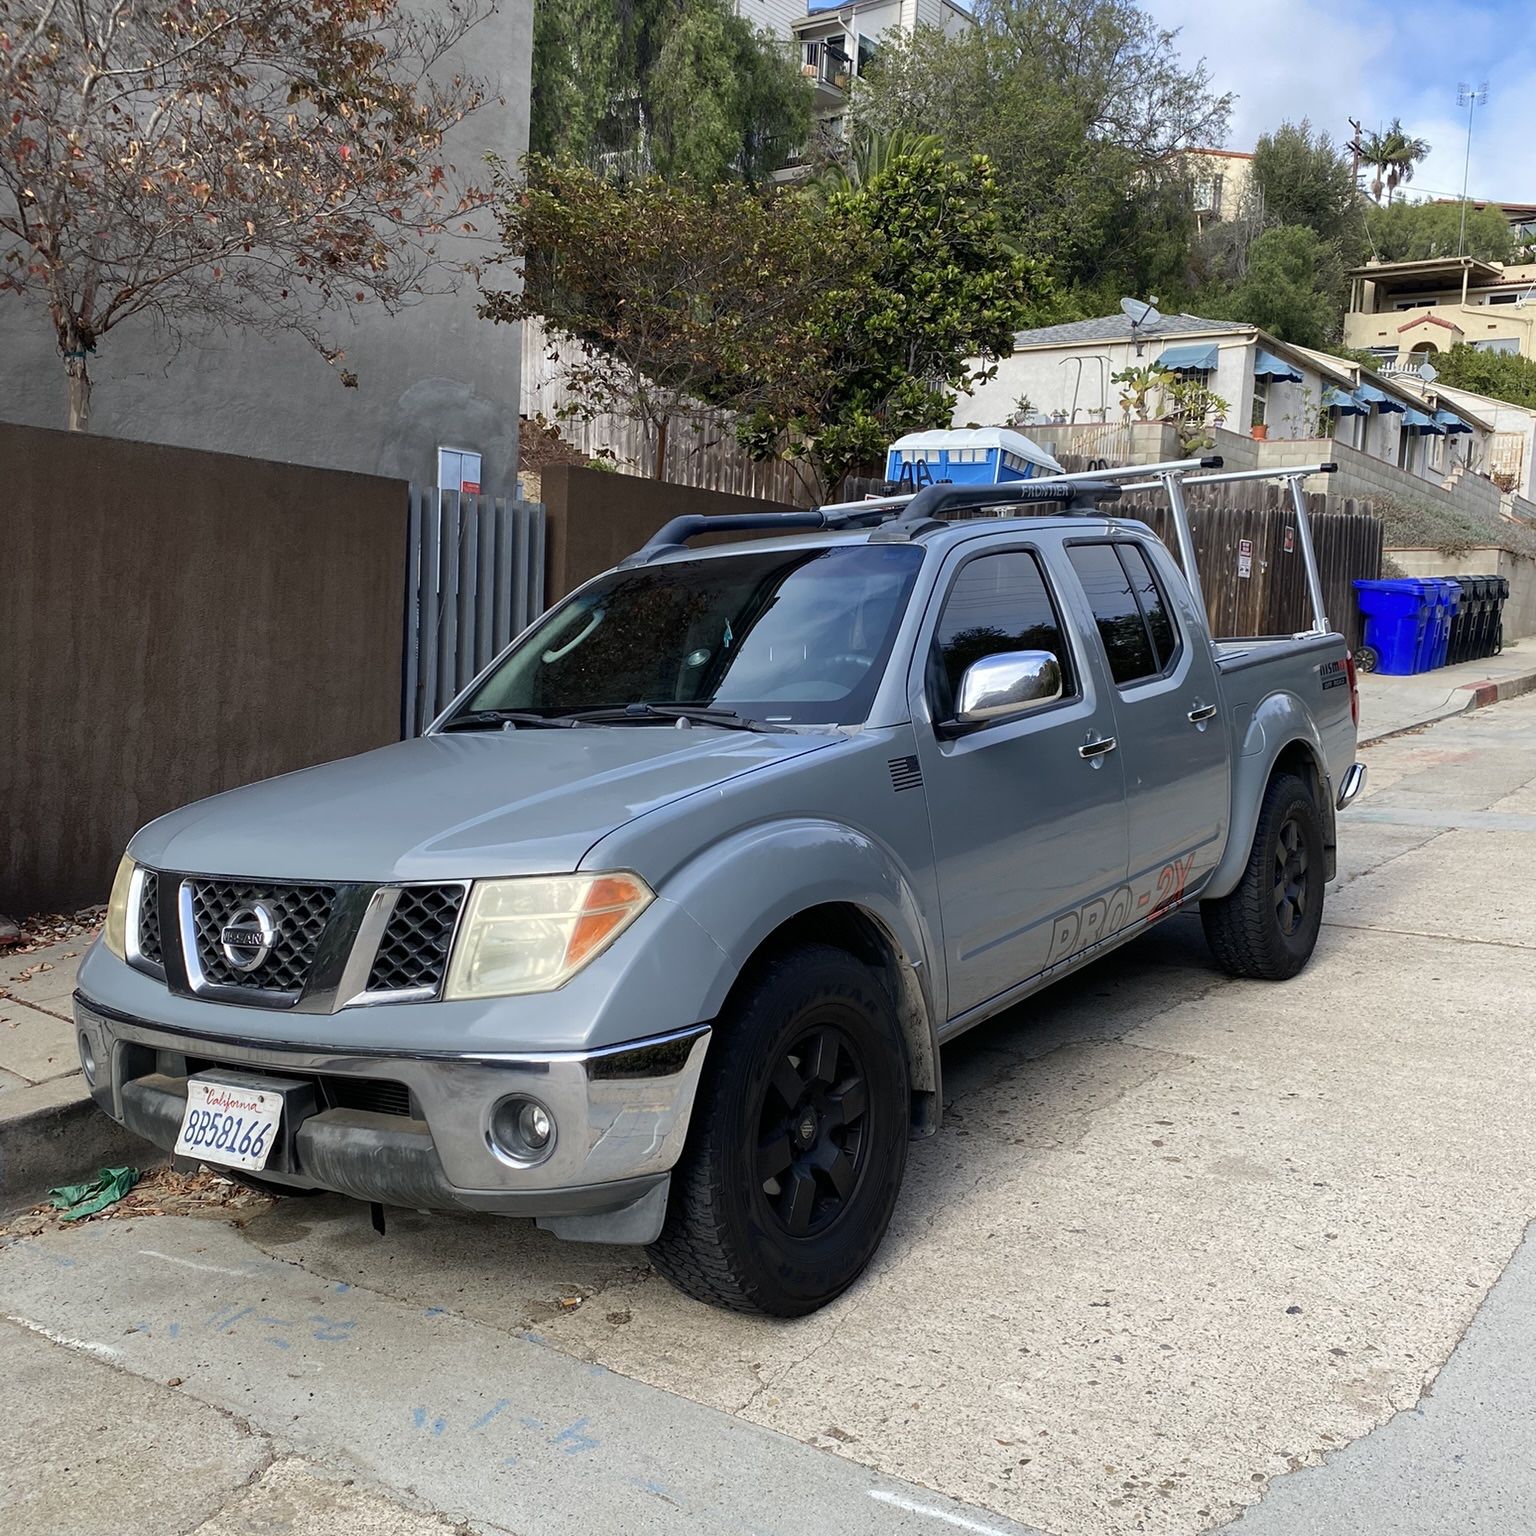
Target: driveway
(1180, 1238)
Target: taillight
(1354, 687)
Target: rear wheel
(1366, 659)
(798, 1142)
(1267, 928)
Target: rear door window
(1116, 611)
(1154, 603)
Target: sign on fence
(475, 579)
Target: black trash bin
(1500, 597)
(1479, 637)
(1474, 602)
(1461, 620)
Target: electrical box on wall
(458, 469)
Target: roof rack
(913, 515)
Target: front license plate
(232, 1126)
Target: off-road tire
(726, 1239)
(1247, 930)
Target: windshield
(783, 636)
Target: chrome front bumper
(621, 1115)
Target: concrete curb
(54, 1134)
(1504, 688)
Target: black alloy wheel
(810, 1134)
(1293, 879)
(798, 1138)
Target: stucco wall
(432, 375)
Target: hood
(455, 806)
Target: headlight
(114, 933)
(534, 934)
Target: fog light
(87, 1059)
(522, 1130)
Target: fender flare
(746, 887)
(1280, 724)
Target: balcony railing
(827, 65)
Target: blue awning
(1383, 402)
(1417, 421)
(1267, 366)
(1344, 403)
(1198, 357)
(1452, 423)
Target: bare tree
(251, 164)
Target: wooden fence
(701, 444)
(1250, 557)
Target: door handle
(1205, 713)
(1098, 748)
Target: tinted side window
(1154, 603)
(1112, 596)
(998, 603)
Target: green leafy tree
(1502, 375)
(1290, 288)
(1078, 106)
(1404, 231)
(673, 295)
(895, 338)
(686, 89)
(1302, 177)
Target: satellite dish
(1140, 312)
(1428, 372)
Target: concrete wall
(1518, 570)
(173, 624)
(432, 375)
(593, 519)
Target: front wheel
(798, 1143)
(1267, 928)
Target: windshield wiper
(642, 713)
(486, 719)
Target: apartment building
(1406, 311)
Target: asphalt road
(1188, 1252)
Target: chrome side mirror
(1009, 683)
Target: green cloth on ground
(107, 1188)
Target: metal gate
(475, 580)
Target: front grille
(299, 913)
(149, 919)
(413, 954)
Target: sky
(1330, 61)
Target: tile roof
(1118, 328)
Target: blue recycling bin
(1431, 592)
(1450, 601)
(1396, 618)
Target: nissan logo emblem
(248, 937)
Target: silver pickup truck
(656, 935)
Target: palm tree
(1393, 155)
(1403, 153)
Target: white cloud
(1289, 59)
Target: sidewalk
(1392, 704)
(50, 1131)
